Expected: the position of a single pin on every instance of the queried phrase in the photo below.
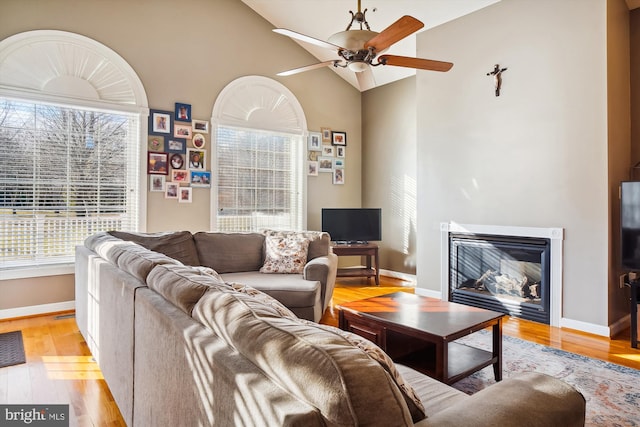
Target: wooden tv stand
(369, 250)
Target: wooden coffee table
(420, 332)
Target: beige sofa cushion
(180, 285)
(321, 367)
(128, 256)
(230, 252)
(178, 245)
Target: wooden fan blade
(366, 79)
(421, 64)
(306, 39)
(306, 68)
(394, 33)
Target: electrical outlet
(623, 280)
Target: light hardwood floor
(60, 369)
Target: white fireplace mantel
(555, 236)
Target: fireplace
(508, 274)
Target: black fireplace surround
(507, 274)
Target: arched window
(72, 113)
(259, 132)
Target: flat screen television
(630, 225)
(352, 225)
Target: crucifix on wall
(497, 77)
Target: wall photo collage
(326, 154)
(176, 153)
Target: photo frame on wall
(160, 122)
(177, 161)
(157, 163)
(175, 145)
(198, 140)
(156, 183)
(200, 178)
(314, 141)
(338, 176)
(201, 126)
(328, 150)
(180, 176)
(339, 138)
(155, 143)
(182, 131)
(184, 194)
(340, 151)
(196, 158)
(183, 112)
(312, 168)
(171, 190)
(326, 134)
(325, 164)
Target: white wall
(535, 156)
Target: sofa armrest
(528, 400)
(324, 270)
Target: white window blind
(259, 180)
(67, 173)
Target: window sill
(36, 271)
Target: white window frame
(261, 104)
(104, 82)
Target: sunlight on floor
(71, 368)
(629, 356)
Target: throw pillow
(319, 241)
(285, 254)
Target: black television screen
(630, 225)
(352, 224)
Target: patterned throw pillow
(376, 353)
(285, 254)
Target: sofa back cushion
(182, 286)
(178, 245)
(320, 366)
(230, 252)
(128, 256)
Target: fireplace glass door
(506, 274)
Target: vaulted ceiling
(322, 18)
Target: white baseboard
(398, 275)
(585, 327)
(428, 293)
(35, 310)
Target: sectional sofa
(181, 345)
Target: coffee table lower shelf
(463, 361)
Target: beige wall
(535, 156)
(619, 147)
(389, 169)
(187, 52)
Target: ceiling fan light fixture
(358, 66)
(352, 39)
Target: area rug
(11, 349)
(612, 391)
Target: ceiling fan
(359, 48)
